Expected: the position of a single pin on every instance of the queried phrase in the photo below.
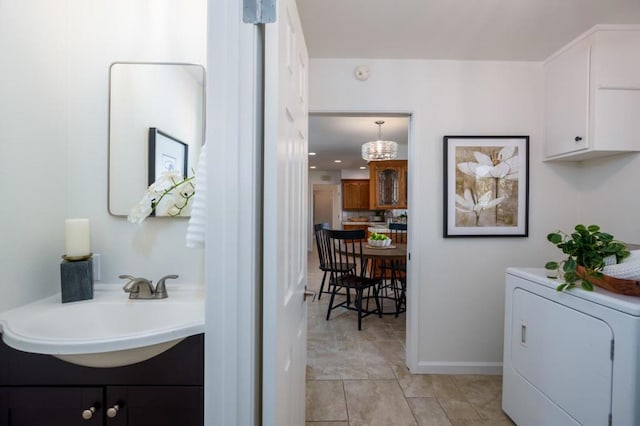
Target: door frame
(234, 181)
(412, 331)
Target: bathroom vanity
(110, 360)
(41, 390)
(570, 358)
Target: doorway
(337, 352)
(326, 204)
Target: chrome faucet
(142, 288)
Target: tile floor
(359, 377)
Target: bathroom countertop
(108, 322)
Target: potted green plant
(586, 250)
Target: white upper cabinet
(592, 102)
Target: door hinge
(612, 349)
(409, 256)
(259, 11)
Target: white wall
(458, 284)
(33, 147)
(122, 30)
(354, 174)
(54, 112)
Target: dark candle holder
(76, 278)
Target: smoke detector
(362, 72)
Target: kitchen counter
(384, 230)
(347, 222)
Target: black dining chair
(345, 249)
(322, 246)
(398, 233)
(323, 254)
(393, 272)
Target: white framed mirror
(145, 97)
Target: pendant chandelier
(380, 149)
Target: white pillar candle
(77, 240)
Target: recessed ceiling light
(312, 153)
(337, 161)
(362, 167)
(312, 167)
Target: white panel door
(285, 214)
(565, 354)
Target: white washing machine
(570, 358)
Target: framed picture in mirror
(166, 154)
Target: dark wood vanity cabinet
(50, 406)
(40, 390)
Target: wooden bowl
(615, 285)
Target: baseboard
(488, 368)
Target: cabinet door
(388, 186)
(567, 101)
(616, 62)
(355, 195)
(156, 405)
(363, 196)
(54, 406)
(565, 354)
(352, 227)
(4, 407)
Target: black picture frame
(486, 186)
(166, 153)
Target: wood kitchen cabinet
(352, 227)
(355, 194)
(592, 96)
(40, 390)
(388, 184)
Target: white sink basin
(107, 331)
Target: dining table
(392, 252)
(390, 256)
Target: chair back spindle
(321, 244)
(398, 233)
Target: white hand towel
(196, 229)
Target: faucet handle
(161, 289)
(128, 286)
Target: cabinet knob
(578, 138)
(113, 411)
(88, 414)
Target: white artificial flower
(171, 187)
(469, 204)
(165, 181)
(141, 210)
(501, 165)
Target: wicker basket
(615, 285)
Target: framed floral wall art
(167, 154)
(486, 186)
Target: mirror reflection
(156, 122)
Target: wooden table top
(398, 251)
